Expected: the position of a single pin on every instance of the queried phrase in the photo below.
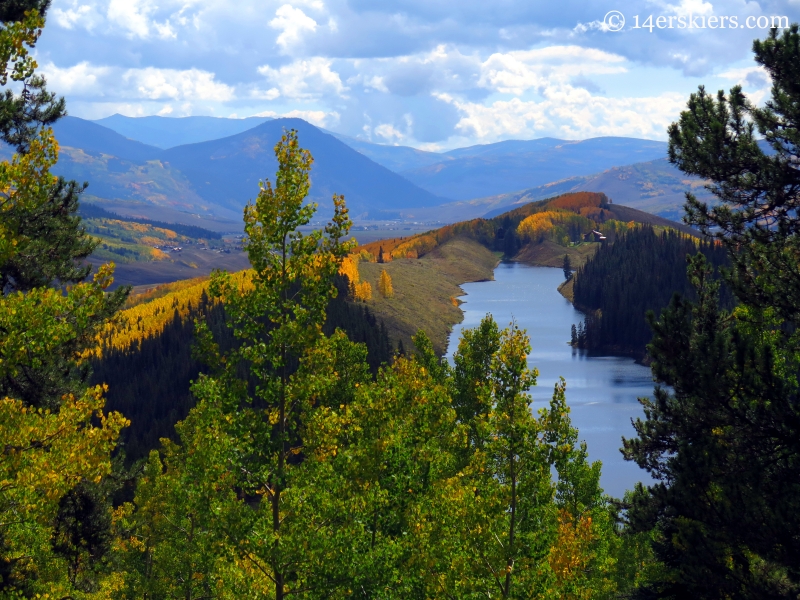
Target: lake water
(602, 391)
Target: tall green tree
(55, 438)
(255, 398)
(750, 155)
(42, 242)
(722, 439)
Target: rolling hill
(168, 132)
(462, 174)
(482, 171)
(655, 187)
(95, 140)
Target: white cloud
(83, 15)
(524, 71)
(568, 112)
(744, 75)
(518, 71)
(305, 79)
(293, 24)
(389, 133)
(269, 94)
(134, 17)
(81, 79)
(88, 80)
(191, 84)
(686, 7)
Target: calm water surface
(601, 391)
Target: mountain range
(218, 177)
(214, 178)
(655, 187)
(168, 132)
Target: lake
(602, 391)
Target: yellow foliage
(362, 291)
(349, 268)
(416, 246)
(358, 290)
(23, 182)
(385, 285)
(46, 454)
(149, 318)
(577, 201)
(167, 233)
(571, 553)
(539, 226)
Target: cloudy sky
(434, 74)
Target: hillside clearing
(425, 289)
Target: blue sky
(425, 73)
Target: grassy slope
(424, 289)
(550, 254)
(567, 289)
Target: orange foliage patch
(575, 202)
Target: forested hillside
(148, 362)
(561, 221)
(624, 280)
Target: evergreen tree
(724, 443)
(567, 268)
(759, 188)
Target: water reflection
(602, 391)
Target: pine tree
(721, 437)
(759, 191)
(567, 268)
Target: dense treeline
(624, 280)
(149, 381)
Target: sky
(432, 74)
